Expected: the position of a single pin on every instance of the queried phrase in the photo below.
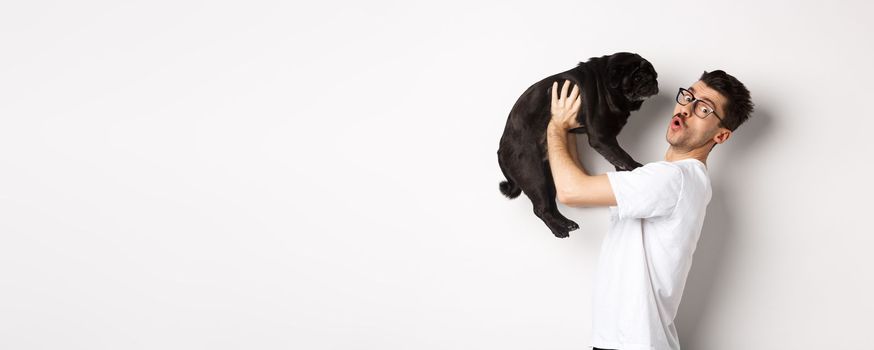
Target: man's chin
(673, 141)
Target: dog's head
(632, 76)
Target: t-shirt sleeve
(648, 191)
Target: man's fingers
(554, 93)
(564, 89)
(576, 106)
(575, 92)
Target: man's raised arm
(573, 185)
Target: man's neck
(674, 154)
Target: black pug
(610, 87)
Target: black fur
(610, 87)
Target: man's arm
(572, 147)
(573, 185)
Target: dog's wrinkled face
(632, 75)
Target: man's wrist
(555, 127)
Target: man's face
(686, 131)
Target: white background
(218, 175)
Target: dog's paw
(561, 234)
(564, 232)
(628, 167)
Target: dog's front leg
(609, 148)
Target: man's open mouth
(677, 123)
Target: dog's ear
(614, 75)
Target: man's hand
(564, 109)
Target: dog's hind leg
(534, 179)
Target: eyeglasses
(701, 110)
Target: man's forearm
(572, 147)
(567, 175)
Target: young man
(656, 211)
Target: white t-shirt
(646, 255)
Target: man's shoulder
(689, 172)
(686, 163)
(695, 178)
(661, 167)
(683, 168)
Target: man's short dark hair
(738, 106)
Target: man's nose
(686, 111)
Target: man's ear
(722, 136)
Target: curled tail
(509, 189)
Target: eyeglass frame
(694, 103)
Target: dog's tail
(509, 189)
